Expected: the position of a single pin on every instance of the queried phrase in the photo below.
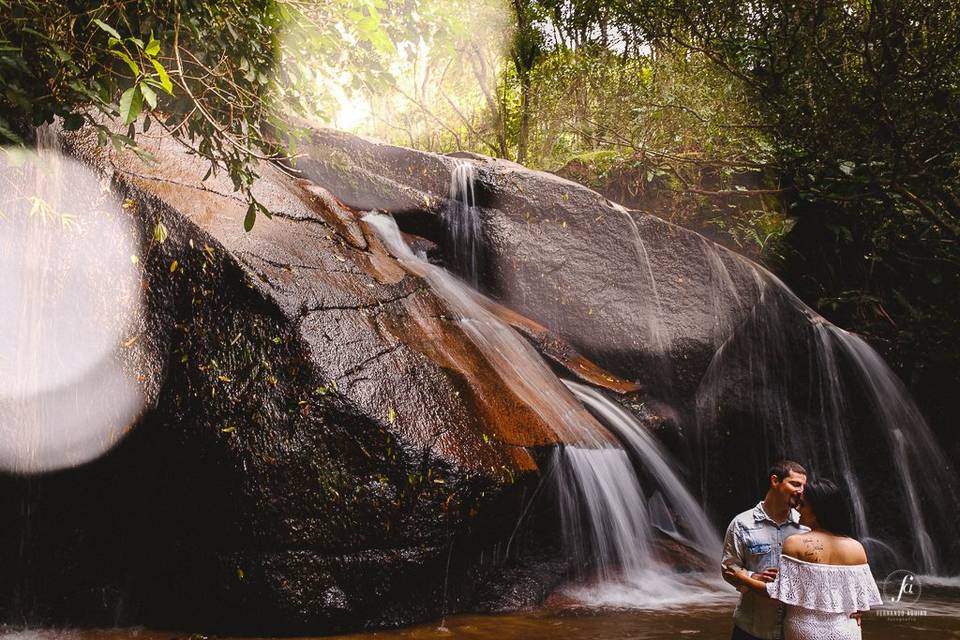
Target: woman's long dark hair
(830, 505)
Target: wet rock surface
(735, 370)
(320, 435)
(648, 300)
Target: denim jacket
(754, 542)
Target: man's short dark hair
(782, 469)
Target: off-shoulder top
(825, 587)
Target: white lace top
(828, 588)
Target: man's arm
(731, 565)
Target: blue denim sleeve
(732, 560)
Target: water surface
(935, 616)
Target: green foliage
(674, 129)
(861, 101)
(222, 77)
(678, 131)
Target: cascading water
(659, 335)
(913, 445)
(722, 291)
(610, 526)
(607, 527)
(462, 221)
(811, 412)
(517, 362)
(697, 529)
(604, 517)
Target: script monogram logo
(901, 587)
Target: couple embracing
(793, 557)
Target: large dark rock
(739, 371)
(647, 299)
(320, 432)
(325, 447)
(650, 300)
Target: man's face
(790, 487)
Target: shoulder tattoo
(812, 550)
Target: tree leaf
(131, 103)
(164, 78)
(72, 121)
(160, 233)
(62, 55)
(152, 48)
(149, 95)
(130, 63)
(103, 25)
(250, 218)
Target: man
(751, 549)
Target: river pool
(936, 615)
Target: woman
(824, 577)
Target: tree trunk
(524, 135)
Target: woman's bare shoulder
(824, 549)
(849, 551)
(794, 545)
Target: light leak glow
(353, 111)
(69, 298)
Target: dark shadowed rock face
(322, 432)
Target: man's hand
(856, 615)
(767, 575)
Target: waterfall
(814, 411)
(606, 524)
(913, 446)
(604, 518)
(698, 530)
(722, 290)
(659, 334)
(514, 359)
(462, 221)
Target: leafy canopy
(220, 76)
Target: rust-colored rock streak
(515, 360)
(561, 352)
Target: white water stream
(462, 221)
(514, 359)
(841, 366)
(606, 524)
